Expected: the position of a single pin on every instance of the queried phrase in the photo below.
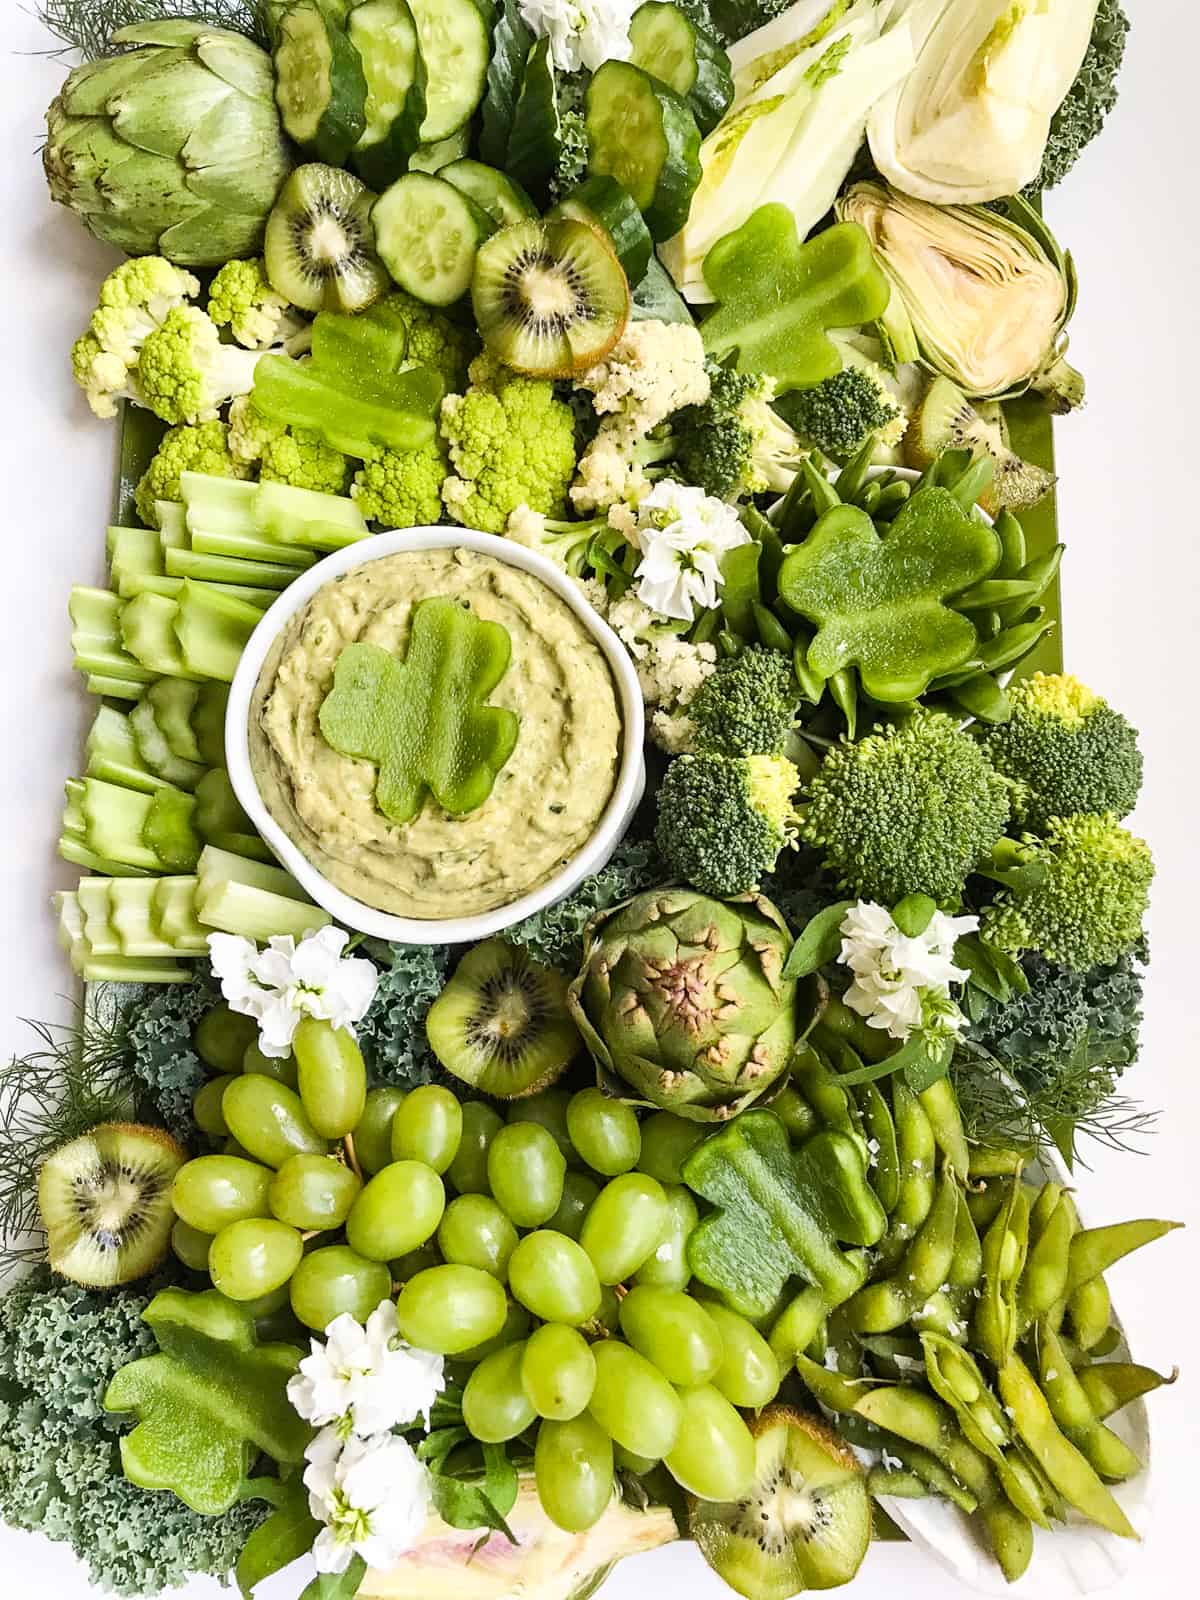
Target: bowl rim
(344, 908)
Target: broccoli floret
(837, 415)
(747, 706)
(722, 821)
(910, 809)
(1066, 749)
(134, 301)
(433, 340)
(1088, 101)
(1083, 894)
(241, 299)
(555, 936)
(189, 447)
(401, 488)
(186, 374)
(511, 443)
(298, 456)
(735, 444)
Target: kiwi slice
(806, 1522)
(550, 298)
(946, 420)
(105, 1200)
(320, 244)
(502, 1024)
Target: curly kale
(164, 1060)
(1089, 99)
(555, 936)
(60, 1463)
(571, 166)
(392, 1034)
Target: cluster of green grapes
(546, 1254)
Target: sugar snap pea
(1041, 573)
(794, 1111)
(843, 689)
(891, 497)
(821, 492)
(981, 697)
(1043, 1283)
(771, 631)
(889, 1302)
(1004, 1248)
(853, 483)
(1071, 1409)
(917, 1151)
(1061, 1461)
(1111, 1385)
(1012, 545)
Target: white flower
(902, 981)
(682, 534)
(366, 1381)
(372, 1495)
(286, 982)
(582, 33)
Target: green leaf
(424, 721)
(499, 1478)
(208, 1403)
(337, 1585)
(925, 1069)
(880, 604)
(818, 942)
(285, 1536)
(777, 297)
(463, 1504)
(913, 914)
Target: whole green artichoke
(174, 148)
(684, 999)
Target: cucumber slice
(433, 157)
(208, 723)
(668, 45)
(604, 203)
(428, 233)
(173, 701)
(494, 192)
(535, 142)
(455, 46)
(385, 36)
(320, 87)
(642, 133)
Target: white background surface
(1130, 514)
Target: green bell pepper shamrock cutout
(208, 1403)
(423, 721)
(777, 297)
(779, 1212)
(880, 603)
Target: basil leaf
(818, 942)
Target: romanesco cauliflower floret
(654, 368)
(511, 442)
(242, 300)
(433, 340)
(134, 301)
(401, 488)
(189, 447)
(298, 456)
(185, 372)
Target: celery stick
(220, 819)
(307, 517)
(249, 547)
(218, 866)
(134, 550)
(173, 701)
(113, 820)
(72, 818)
(72, 848)
(70, 928)
(131, 584)
(172, 525)
(256, 913)
(170, 831)
(213, 630)
(130, 913)
(112, 752)
(96, 636)
(148, 632)
(217, 503)
(155, 753)
(208, 722)
(225, 570)
(132, 969)
(96, 907)
(173, 915)
(139, 583)
(113, 688)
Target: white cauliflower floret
(610, 471)
(670, 668)
(651, 371)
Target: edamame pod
(888, 1304)
(940, 1104)
(1111, 1385)
(796, 1326)
(1043, 1283)
(996, 1161)
(1071, 1409)
(1094, 1250)
(1004, 1249)
(920, 1464)
(966, 1268)
(917, 1151)
(1090, 1311)
(918, 1417)
(880, 1129)
(819, 1086)
(985, 1202)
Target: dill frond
(87, 26)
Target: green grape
(222, 1036)
(474, 1232)
(190, 1245)
(212, 1191)
(468, 1171)
(373, 1136)
(794, 1111)
(428, 1127)
(548, 1110)
(668, 1267)
(749, 1374)
(667, 1142)
(451, 1309)
(268, 1119)
(558, 1372)
(525, 1173)
(674, 1332)
(313, 1192)
(397, 1211)
(515, 1328)
(573, 1468)
(281, 1068)
(270, 1304)
(206, 1107)
(336, 1279)
(552, 1276)
(413, 1261)
(331, 1075)
(604, 1131)
(631, 1462)
(494, 1405)
(248, 1259)
(632, 1401)
(605, 1320)
(579, 1190)
(625, 1225)
(713, 1456)
(232, 1148)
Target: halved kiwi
(806, 1522)
(320, 244)
(551, 298)
(105, 1201)
(947, 420)
(502, 1024)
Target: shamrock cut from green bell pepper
(208, 1403)
(423, 721)
(880, 600)
(779, 1212)
(778, 297)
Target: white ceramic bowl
(631, 773)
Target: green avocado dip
(547, 797)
